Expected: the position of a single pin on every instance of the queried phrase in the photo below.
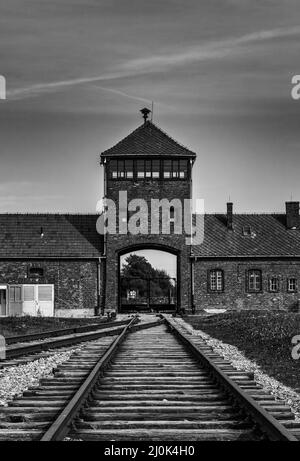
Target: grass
(17, 326)
(262, 336)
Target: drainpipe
(193, 284)
(97, 310)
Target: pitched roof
(269, 237)
(148, 140)
(70, 236)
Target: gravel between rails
(14, 380)
(239, 361)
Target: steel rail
(63, 423)
(64, 331)
(20, 350)
(267, 424)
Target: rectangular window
(121, 169)
(15, 294)
(36, 272)
(45, 292)
(183, 169)
(114, 169)
(149, 169)
(28, 293)
(129, 169)
(175, 169)
(167, 169)
(274, 284)
(292, 285)
(140, 169)
(155, 169)
(254, 281)
(216, 280)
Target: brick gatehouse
(55, 264)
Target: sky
(168, 263)
(219, 73)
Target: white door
(38, 300)
(45, 298)
(29, 300)
(15, 300)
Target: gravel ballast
(240, 362)
(15, 380)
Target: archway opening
(148, 281)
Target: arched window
(216, 280)
(254, 281)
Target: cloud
(157, 63)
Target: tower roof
(148, 140)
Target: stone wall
(235, 295)
(75, 282)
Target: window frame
(13, 288)
(122, 172)
(179, 169)
(172, 176)
(36, 276)
(288, 285)
(271, 278)
(209, 280)
(253, 290)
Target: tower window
(292, 285)
(183, 169)
(121, 169)
(148, 169)
(167, 169)
(216, 280)
(254, 281)
(175, 169)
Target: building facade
(66, 265)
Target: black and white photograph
(149, 223)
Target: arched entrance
(148, 280)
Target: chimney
(230, 215)
(292, 215)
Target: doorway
(3, 301)
(148, 281)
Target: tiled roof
(70, 236)
(269, 237)
(148, 140)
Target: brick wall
(75, 282)
(235, 295)
(147, 189)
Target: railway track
(34, 346)
(151, 382)
(64, 331)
